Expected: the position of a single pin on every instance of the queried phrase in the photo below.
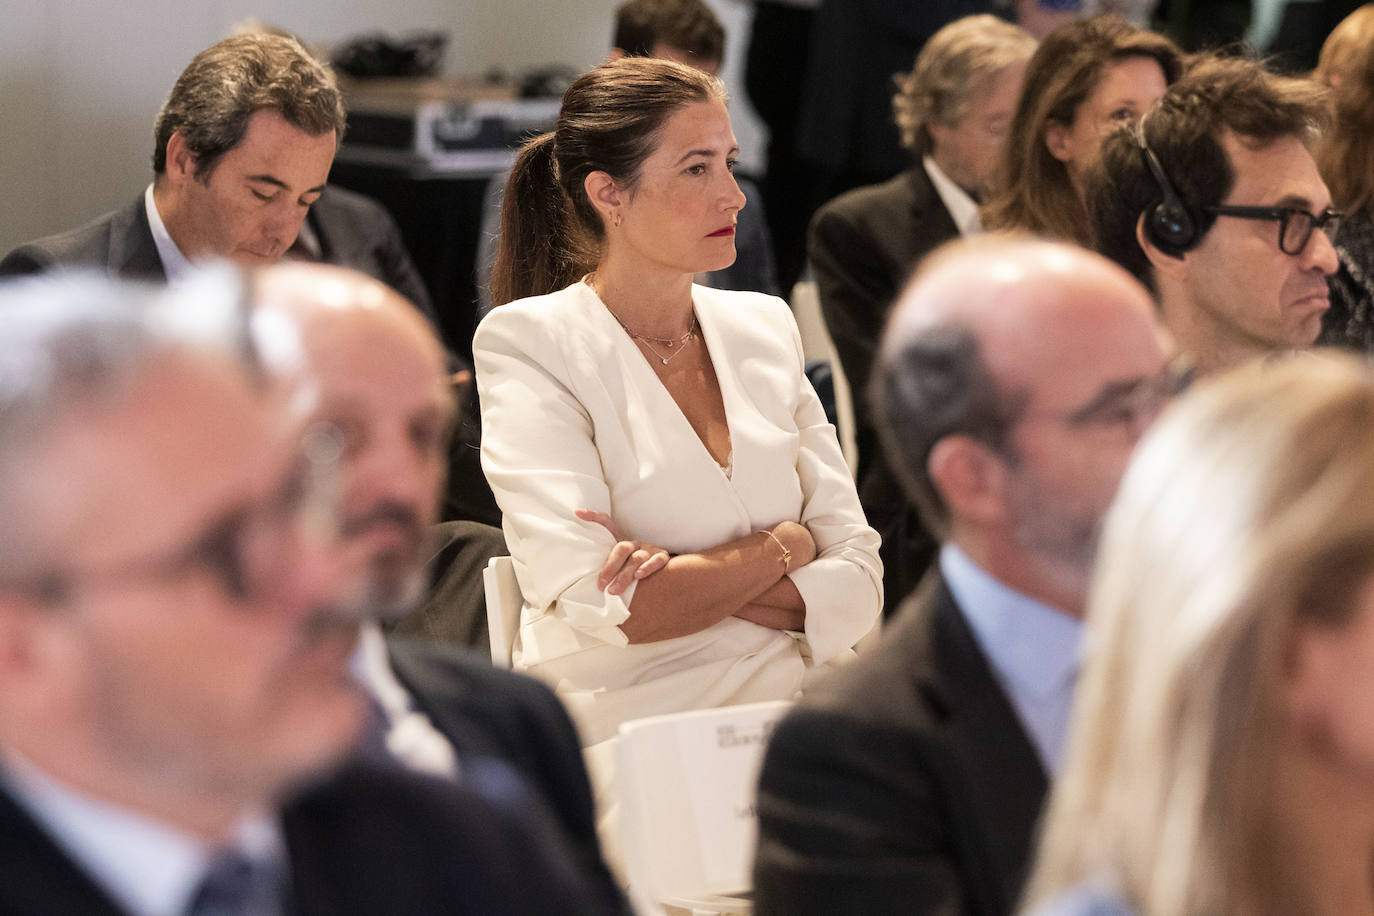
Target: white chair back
(817, 344)
(686, 784)
(504, 604)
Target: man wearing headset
(1215, 203)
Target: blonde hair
(1248, 509)
(1345, 152)
(954, 65)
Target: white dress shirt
(410, 736)
(175, 264)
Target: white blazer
(574, 416)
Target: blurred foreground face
(191, 637)
(1333, 688)
(374, 370)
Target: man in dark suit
(242, 149)
(953, 110)
(370, 368)
(176, 625)
(243, 146)
(1012, 383)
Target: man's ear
(603, 193)
(970, 477)
(181, 162)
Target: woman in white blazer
(684, 529)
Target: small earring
(615, 219)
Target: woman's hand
(629, 560)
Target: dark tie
(234, 885)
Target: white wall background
(81, 80)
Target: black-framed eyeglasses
(246, 548)
(1296, 225)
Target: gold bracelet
(786, 554)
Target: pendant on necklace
(664, 361)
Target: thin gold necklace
(669, 342)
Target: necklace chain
(668, 342)
(648, 341)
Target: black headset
(1168, 224)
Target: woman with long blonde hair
(1222, 753)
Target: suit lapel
(992, 754)
(931, 222)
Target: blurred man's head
(170, 632)
(365, 362)
(243, 147)
(1015, 377)
(957, 103)
(1212, 200)
(686, 31)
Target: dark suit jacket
(492, 714)
(353, 230)
(904, 784)
(863, 246)
(356, 231)
(366, 841)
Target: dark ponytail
(611, 116)
(542, 247)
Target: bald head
(361, 358)
(1013, 381)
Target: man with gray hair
(1012, 384)
(176, 623)
(953, 110)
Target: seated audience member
(243, 146)
(685, 532)
(953, 109)
(1011, 385)
(690, 33)
(1085, 79)
(175, 635)
(1214, 201)
(1221, 758)
(370, 367)
(1345, 156)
